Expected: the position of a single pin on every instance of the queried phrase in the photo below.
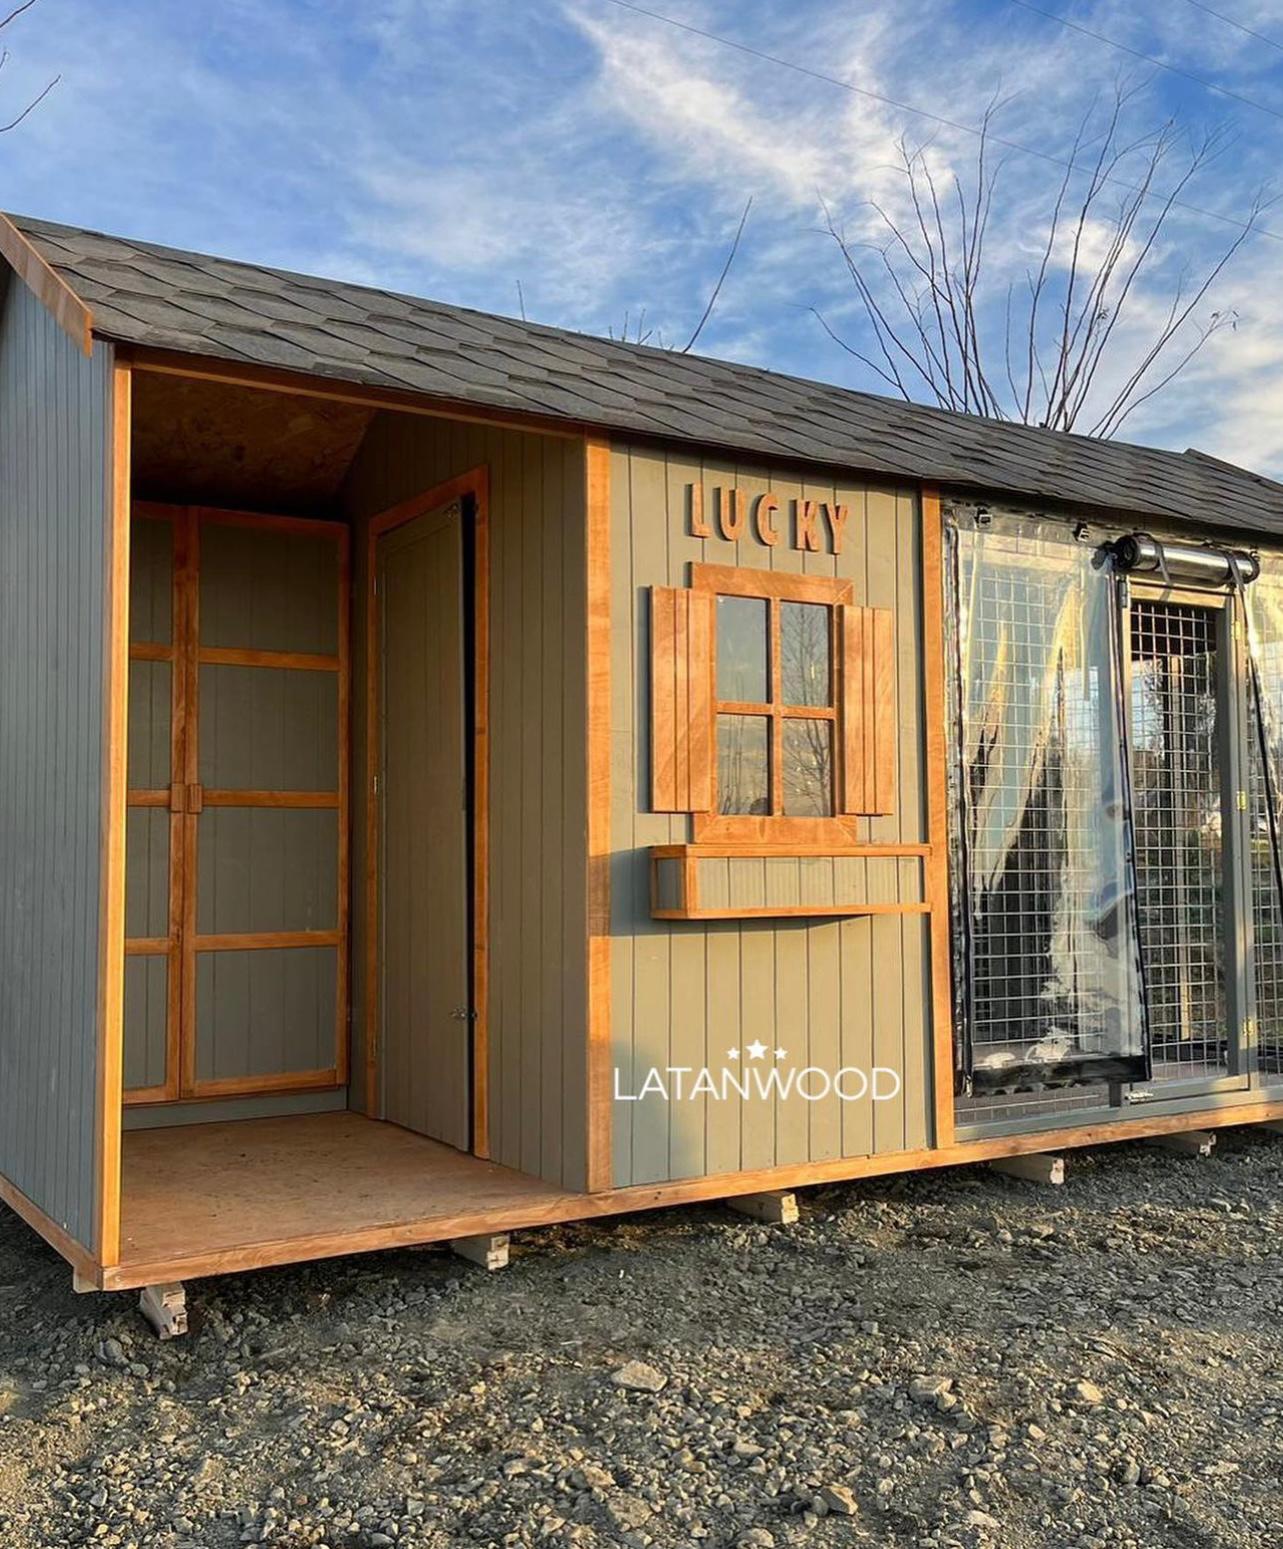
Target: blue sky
(600, 158)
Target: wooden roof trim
(64, 306)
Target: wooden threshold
(213, 1199)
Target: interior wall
(831, 992)
(54, 508)
(537, 839)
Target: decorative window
(772, 706)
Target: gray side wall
(830, 992)
(538, 837)
(54, 503)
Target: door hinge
(463, 1014)
(1242, 801)
(1249, 1027)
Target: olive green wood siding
(684, 993)
(538, 775)
(54, 504)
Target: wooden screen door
(425, 1011)
(236, 844)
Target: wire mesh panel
(1177, 792)
(1046, 938)
(1264, 599)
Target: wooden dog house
(457, 775)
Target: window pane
(743, 624)
(808, 769)
(804, 655)
(743, 764)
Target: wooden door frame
(474, 486)
(185, 798)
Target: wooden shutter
(681, 689)
(868, 710)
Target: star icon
(756, 1050)
(732, 1054)
(781, 1054)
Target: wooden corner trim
(115, 795)
(937, 790)
(50, 289)
(598, 1159)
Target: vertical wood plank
(598, 649)
(649, 545)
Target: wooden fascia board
(50, 289)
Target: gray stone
(840, 1500)
(628, 1512)
(638, 1377)
(112, 1353)
(925, 1390)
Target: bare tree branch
(721, 279)
(4, 59)
(1064, 354)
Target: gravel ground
(953, 1358)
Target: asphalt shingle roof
(143, 294)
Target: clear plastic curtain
(1047, 968)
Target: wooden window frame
(777, 828)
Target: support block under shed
(776, 1207)
(1194, 1142)
(165, 1308)
(1038, 1167)
(489, 1250)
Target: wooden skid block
(777, 1207)
(490, 1251)
(1275, 1126)
(1037, 1167)
(81, 1284)
(165, 1308)
(1194, 1142)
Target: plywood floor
(201, 1199)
